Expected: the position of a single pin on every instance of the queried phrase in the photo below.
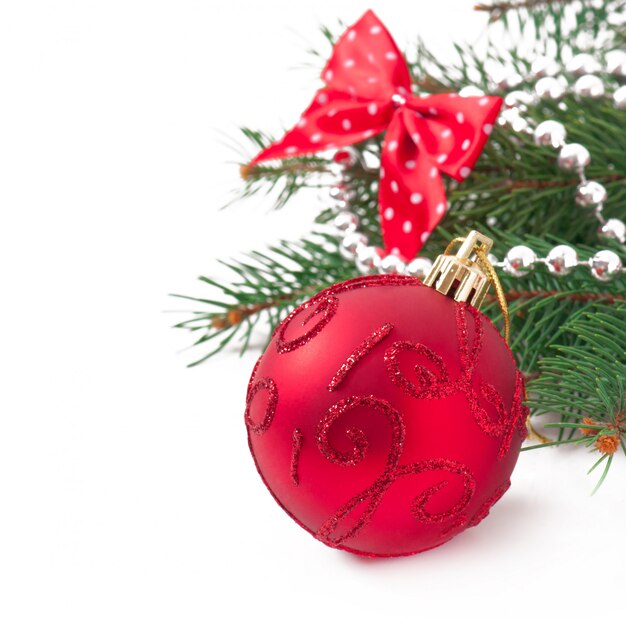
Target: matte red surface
(384, 417)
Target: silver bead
(471, 91)
(619, 98)
(550, 133)
(605, 265)
(520, 260)
(351, 243)
(512, 118)
(589, 86)
(368, 259)
(582, 64)
(346, 222)
(561, 260)
(544, 67)
(506, 79)
(337, 192)
(391, 265)
(341, 206)
(616, 62)
(590, 194)
(550, 88)
(573, 157)
(419, 267)
(519, 99)
(613, 229)
(506, 117)
(342, 193)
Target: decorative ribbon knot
(368, 91)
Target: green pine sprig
(568, 333)
(585, 381)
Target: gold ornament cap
(464, 276)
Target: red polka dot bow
(368, 90)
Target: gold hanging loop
(467, 275)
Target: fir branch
(584, 383)
(569, 336)
(268, 285)
(497, 9)
(574, 24)
(516, 5)
(579, 297)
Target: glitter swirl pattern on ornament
(445, 500)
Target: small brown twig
(497, 9)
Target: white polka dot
(351, 35)
(346, 124)
(483, 101)
(394, 187)
(372, 80)
(395, 251)
(372, 109)
(410, 164)
(348, 63)
(322, 98)
(487, 129)
(441, 158)
(402, 90)
(433, 172)
(407, 226)
(316, 137)
(424, 237)
(460, 118)
(440, 208)
(328, 75)
(446, 133)
(465, 172)
(368, 134)
(371, 58)
(290, 150)
(331, 113)
(466, 144)
(301, 123)
(388, 213)
(416, 198)
(432, 111)
(391, 56)
(393, 145)
(416, 137)
(375, 29)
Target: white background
(126, 487)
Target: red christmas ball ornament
(386, 417)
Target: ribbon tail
(412, 199)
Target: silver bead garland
(520, 260)
(572, 156)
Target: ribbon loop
(368, 91)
